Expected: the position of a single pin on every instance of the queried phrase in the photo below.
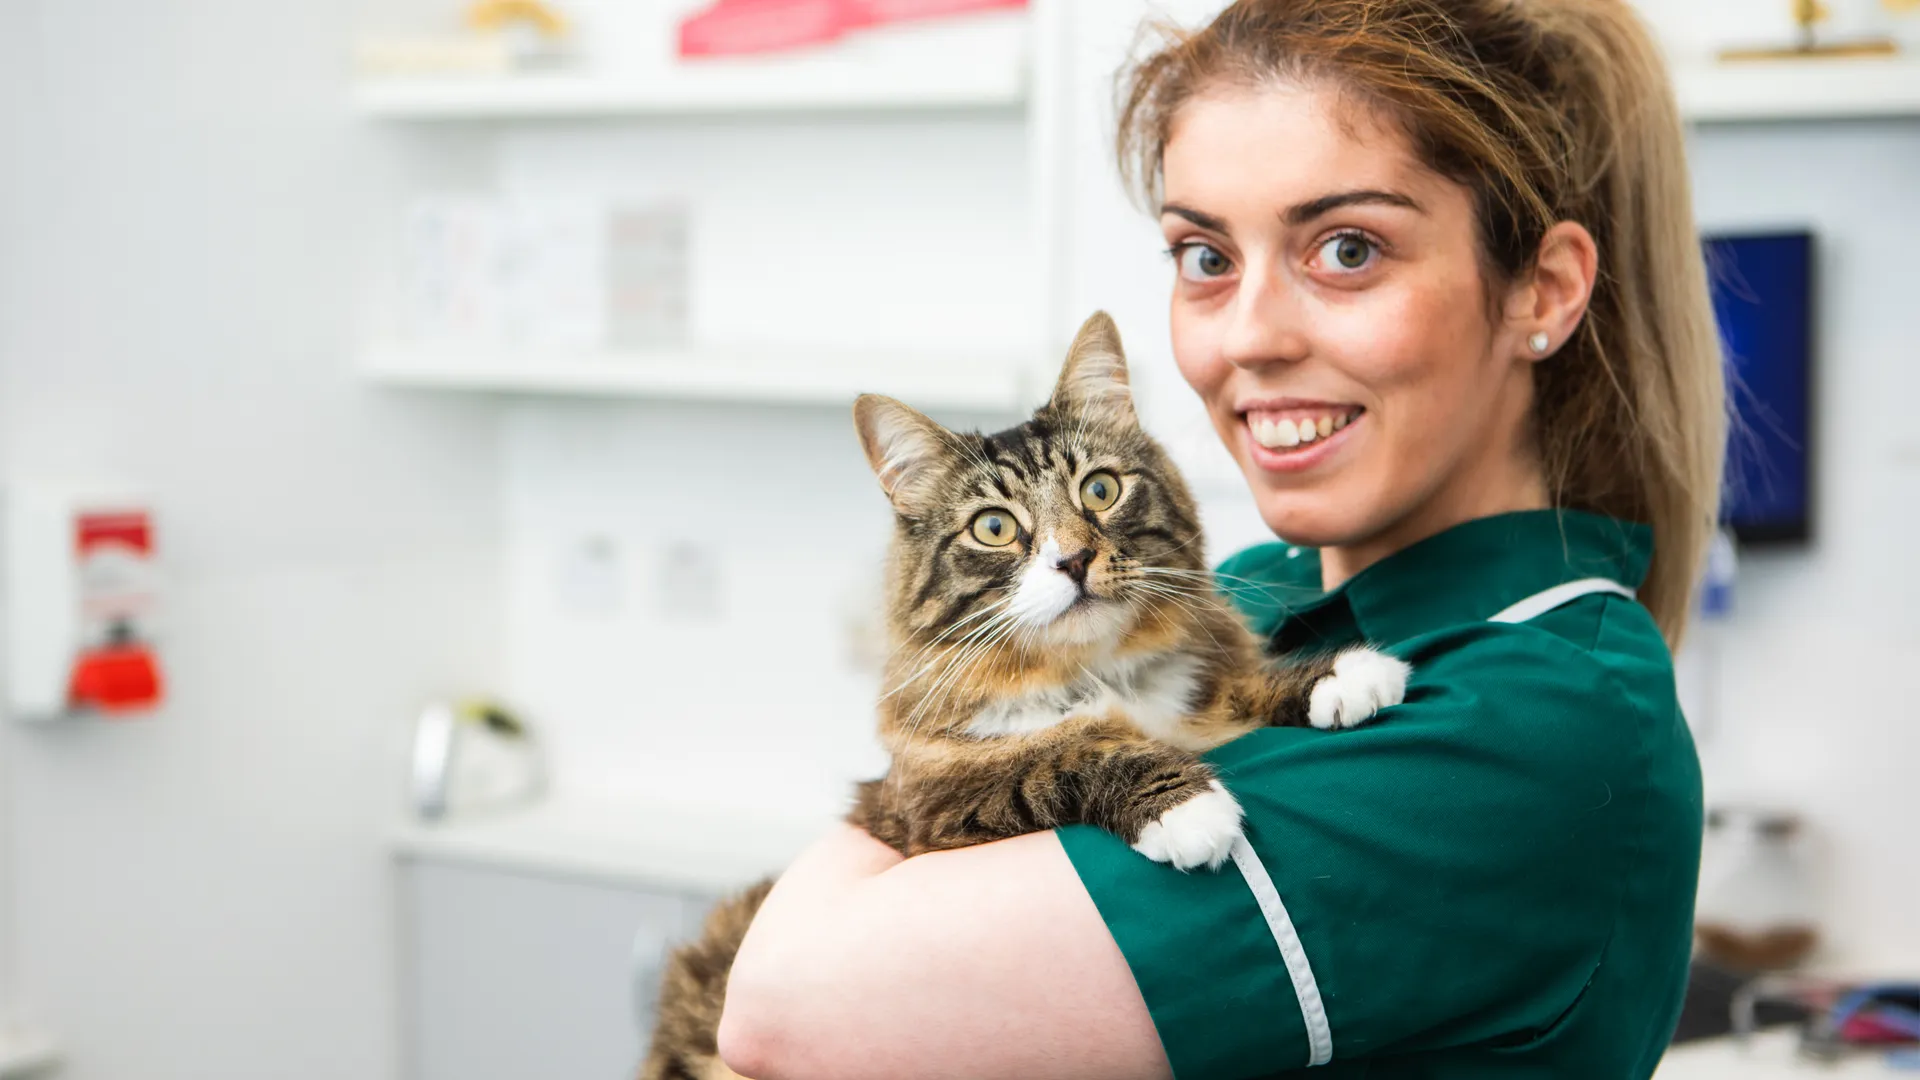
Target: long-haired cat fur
(1060, 655)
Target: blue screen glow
(1763, 297)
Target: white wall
(189, 213)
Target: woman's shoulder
(1583, 691)
(1572, 716)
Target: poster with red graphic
(745, 27)
(880, 12)
(116, 670)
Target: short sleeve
(1450, 871)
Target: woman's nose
(1264, 323)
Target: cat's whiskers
(1211, 576)
(989, 610)
(959, 660)
(960, 656)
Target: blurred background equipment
(473, 757)
(1756, 911)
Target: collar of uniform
(1476, 569)
(1466, 574)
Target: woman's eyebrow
(1204, 220)
(1325, 204)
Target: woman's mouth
(1294, 438)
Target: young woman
(1439, 287)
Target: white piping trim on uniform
(1305, 989)
(1559, 596)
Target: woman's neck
(1518, 486)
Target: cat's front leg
(1331, 692)
(952, 793)
(1363, 681)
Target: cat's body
(1060, 656)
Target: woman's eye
(1201, 262)
(995, 528)
(1348, 252)
(1099, 491)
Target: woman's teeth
(1282, 433)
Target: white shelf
(681, 848)
(561, 97)
(983, 65)
(25, 1053)
(770, 375)
(1759, 91)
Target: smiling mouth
(1295, 429)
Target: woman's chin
(1313, 518)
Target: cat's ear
(1094, 381)
(903, 446)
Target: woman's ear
(1544, 311)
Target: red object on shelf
(879, 12)
(746, 27)
(119, 678)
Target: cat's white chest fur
(1154, 692)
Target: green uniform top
(1493, 879)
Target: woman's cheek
(1197, 355)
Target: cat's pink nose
(1075, 565)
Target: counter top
(1767, 1056)
(23, 1053)
(698, 850)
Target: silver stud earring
(1539, 343)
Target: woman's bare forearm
(984, 962)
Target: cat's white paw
(1198, 832)
(1363, 682)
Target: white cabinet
(512, 975)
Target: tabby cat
(1060, 655)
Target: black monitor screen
(1763, 296)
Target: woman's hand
(984, 962)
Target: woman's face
(1330, 309)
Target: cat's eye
(995, 528)
(1099, 491)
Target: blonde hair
(1547, 111)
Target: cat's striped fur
(1064, 666)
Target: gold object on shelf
(496, 15)
(1808, 15)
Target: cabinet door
(516, 976)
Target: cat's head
(1066, 530)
